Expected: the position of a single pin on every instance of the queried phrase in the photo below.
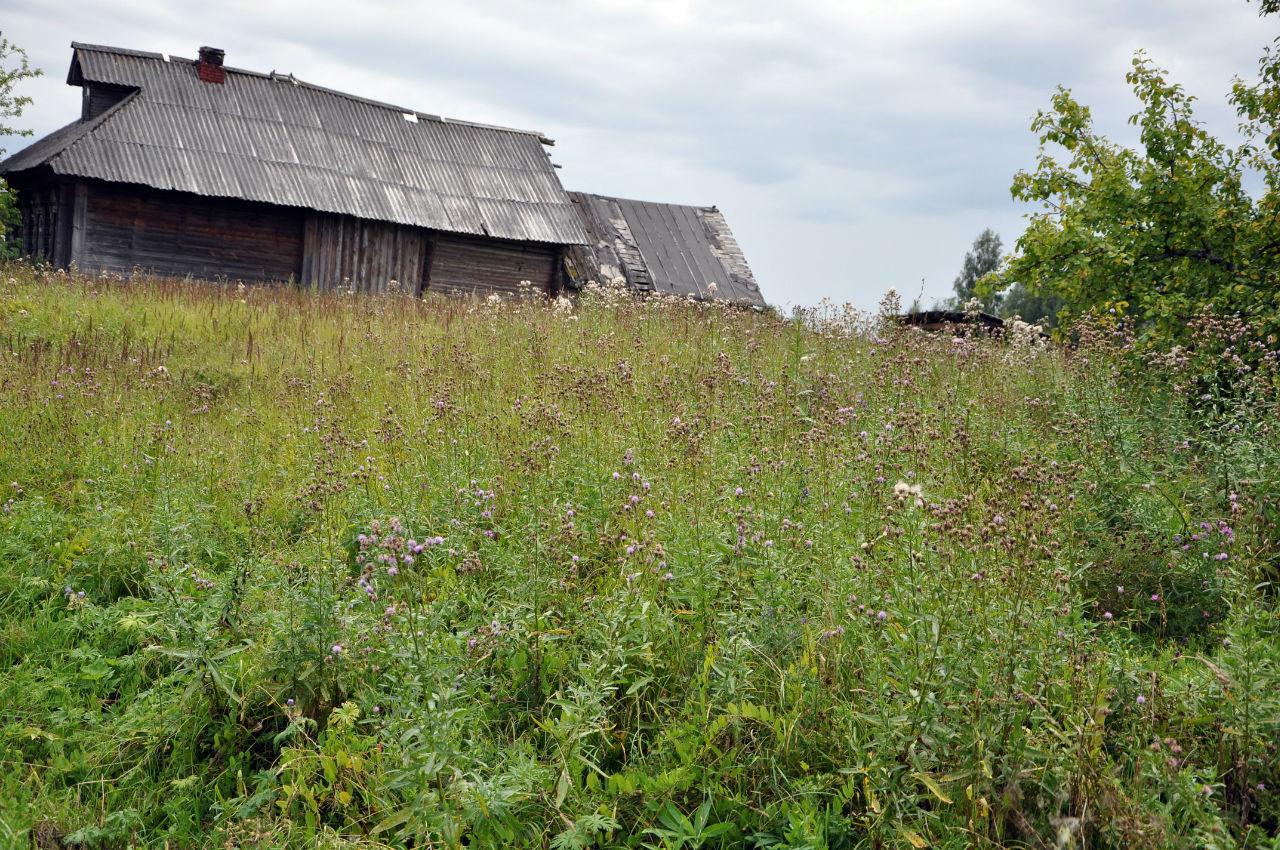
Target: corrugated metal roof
(669, 248)
(270, 138)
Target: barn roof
(671, 249)
(274, 139)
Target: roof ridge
(705, 207)
(290, 78)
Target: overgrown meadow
(299, 570)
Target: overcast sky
(852, 145)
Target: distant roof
(936, 319)
(274, 139)
(672, 249)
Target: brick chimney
(209, 68)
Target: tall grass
(287, 569)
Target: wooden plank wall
(173, 233)
(484, 266)
(97, 98)
(342, 252)
(40, 208)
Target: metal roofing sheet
(269, 138)
(683, 249)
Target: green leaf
(932, 784)
(95, 671)
(562, 787)
(398, 818)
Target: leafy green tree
(1163, 231)
(981, 260)
(980, 278)
(11, 106)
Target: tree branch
(1198, 254)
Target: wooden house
(187, 167)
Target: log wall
(484, 266)
(173, 233)
(39, 208)
(122, 228)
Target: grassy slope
(676, 599)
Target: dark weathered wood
(427, 264)
(484, 266)
(122, 228)
(38, 205)
(172, 233)
(62, 226)
(79, 214)
(939, 320)
(342, 252)
(99, 97)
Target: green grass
(683, 593)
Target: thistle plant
(289, 569)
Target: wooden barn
(187, 167)
(671, 249)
